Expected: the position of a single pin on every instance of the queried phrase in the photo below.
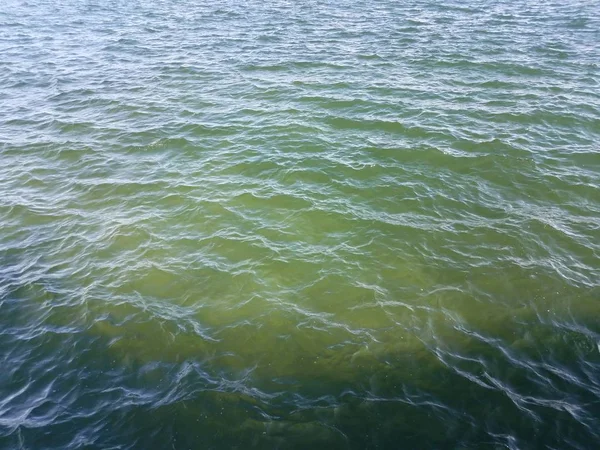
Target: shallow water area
(288, 225)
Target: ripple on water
(283, 225)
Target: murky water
(271, 224)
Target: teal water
(299, 224)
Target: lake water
(299, 224)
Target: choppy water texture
(291, 225)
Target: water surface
(304, 224)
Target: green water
(291, 225)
